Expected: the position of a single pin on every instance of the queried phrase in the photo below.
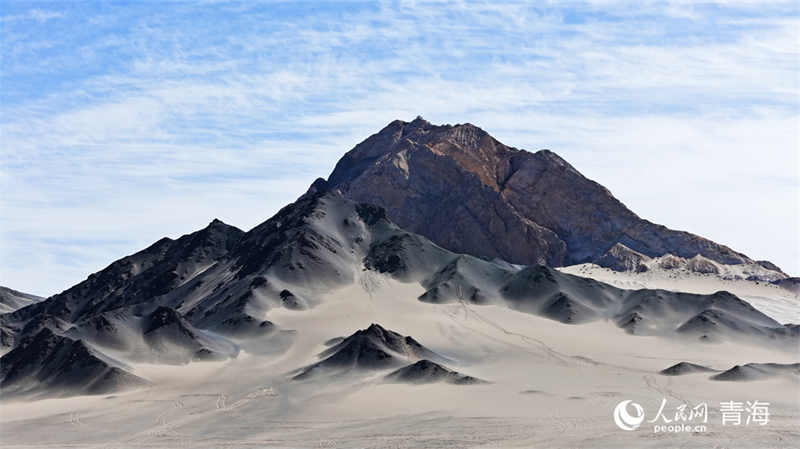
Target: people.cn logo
(625, 420)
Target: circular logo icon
(624, 420)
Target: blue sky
(123, 122)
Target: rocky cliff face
(445, 183)
(469, 193)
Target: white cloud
(36, 14)
(679, 109)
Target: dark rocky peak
(768, 265)
(214, 241)
(734, 306)
(373, 348)
(308, 213)
(220, 233)
(357, 160)
(416, 128)
(46, 364)
(447, 182)
(314, 243)
(99, 323)
(759, 371)
(427, 372)
(386, 338)
(474, 149)
(319, 235)
(171, 339)
(684, 368)
(34, 350)
(293, 216)
(553, 159)
(477, 152)
(39, 343)
(146, 275)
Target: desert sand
(548, 385)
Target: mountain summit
(471, 194)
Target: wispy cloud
(125, 122)
(35, 14)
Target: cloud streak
(126, 122)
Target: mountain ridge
(215, 292)
(445, 182)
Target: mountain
(268, 337)
(370, 349)
(684, 368)
(758, 371)
(163, 336)
(468, 193)
(427, 372)
(11, 300)
(739, 373)
(211, 294)
(52, 365)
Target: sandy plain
(550, 385)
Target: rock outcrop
(758, 371)
(427, 372)
(622, 258)
(684, 368)
(370, 349)
(470, 194)
(50, 364)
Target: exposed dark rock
(670, 262)
(792, 284)
(700, 264)
(427, 372)
(173, 340)
(569, 299)
(59, 366)
(622, 258)
(374, 348)
(686, 368)
(769, 265)
(469, 193)
(156, 271)
(758, 371)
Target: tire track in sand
(164, 428)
